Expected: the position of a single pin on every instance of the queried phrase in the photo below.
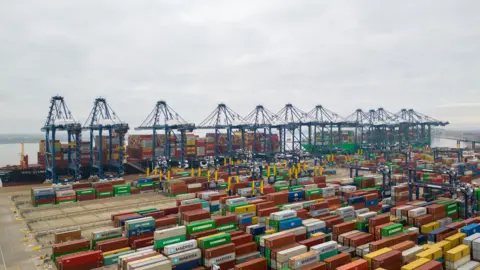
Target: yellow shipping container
(456, 239)
(443, 245)
(415, 264)
(432, 253)
(317, 234)
(115, 251)
(426, 246)
(427, 228)
(374, 254)
(270, 231)
(245, 209)
(457, 253)
(205, 237)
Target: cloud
(194, 54)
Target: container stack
(121, 190)
(65, 196)
(85, 194)
(42, 196)
(103, 189)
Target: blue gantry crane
(325, 119)
(294, 119)
(61, 119)
(166, 119)
(103, 118)
(224, 118)
(416, 128)
(263, 122)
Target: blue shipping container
(371, 203)
(245, 221)
(356, 200)
(294, 196)
(188, 265)
(214, 208)
(470, 229)
(258, 230)
(432, 236)
(290, 223)
(140, 231)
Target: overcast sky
(194, 54)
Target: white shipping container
(235, 201)
(144, 262)
(282, 215)
(366, 216)
(180, 247)
(293, 206)
(284, 255)
(410, 254)
(315, 226)
(325, 247)
(417, 212)
(186, 256)
(163, 265)
(361, 211)
(183, 197)
(471, 265)
(469, 240)
(456, 265)
(219, 260)
(171, 232)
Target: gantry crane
(294, 119)
(103, 118)
(325, 119)
(224, 118)
(61, 119)
(164, 118)
(416, 128)
(263, 122)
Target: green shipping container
(313, 192)
(169, 241)
(121, 187)
(215, 241)
(328, 255)
(294, 188)
(141, 224)
(228, 227)
(145, 185)
(362, 226)
(232, 207)
(200, 226)
(280, 188)
(64, 202)
(113, 259)
(85, 191)
(392, 230)
(104, 194)
(144, 211)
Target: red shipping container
(155, 215)
(82, 260)
(70, 246)
(112, 244)
(141, 243)
(313, 241)
(267, 211)
(265, 205)
(278, 197)
(379, 244)
(338, 260)
(403, 246)
(189, 207)
(316, 266)
(431, 265)
(302, 213)
(202, 234)
(165, 221)
(342, 228)
(360, 264)
(391, 260)
(137, 237)
(280, 241)
(219, 251)
(245, 249)
(242, 239)
(222, 220)
(195, 215)
(170, 210)
(361, 240)
(236, 233)
(113, 216)
(256, 264)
